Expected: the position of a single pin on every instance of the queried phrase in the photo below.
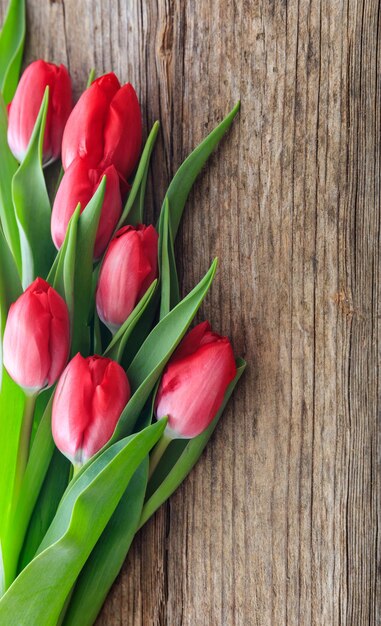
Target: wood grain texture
(279, 522)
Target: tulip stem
(75, 469)
(24, 444)
(157, 453)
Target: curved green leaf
(178, 469)
(32, 206)
(62, 274)
(134, 209)
(12, 401)
(170, 294)
(117, 345)
(11, 411)
(11, 397)
(8, 169)
(12, 38)
(87, 230)
(77, 526)
(10, 285)
(107, 558)
(141, 330)
(187, 173)
(49, 496)
(39, 459)
(91, 78)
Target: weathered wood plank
(278, 524)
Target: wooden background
(278, 522)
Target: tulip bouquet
(107, 399)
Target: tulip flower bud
(79, 184)
(194, 382)
(25, 106)
(36, 337)
(90, 396)
(128, 269)
(105, 126)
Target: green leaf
(53, 488)
(10, 289)
(187, 173)
(152, 357)
(134, 209)
(12, 38)
(62, 275)
(8, 168)
(175, 471)
(141, 330)
(107, 558)
(10, 285)
(84, 305)
(11, 412)
(170, 294)
(38, 463)
(117, 344)
(32, 206)
(76, 528)
(91, 78)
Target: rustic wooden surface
(278, 522)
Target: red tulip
(79, 184)
(90, 396)
(128, 269)
(194, 382)
(26, 104)
(37, 337)
(105, 126)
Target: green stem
(74, 470)
(157, 453)
(113, 329)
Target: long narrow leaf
(21, 511)
(107, 558)
(11, 411)
(8, 169)
(32, 206)
(12, 39)
(10, 289)
(52, 490)
(10, 285)
(170, 295)
(133, 211)
(87, 230)
(117, 345)
(63, 278)
(187, 173)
